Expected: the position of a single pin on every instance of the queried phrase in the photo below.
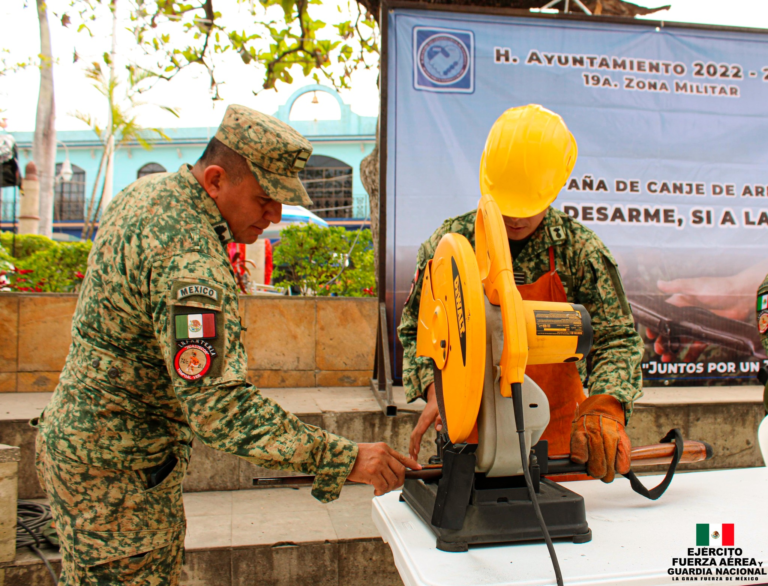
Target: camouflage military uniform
(590, 277)
(157, 359)
(762, 325)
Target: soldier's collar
(206, 205)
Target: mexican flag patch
(762, 302)
(195, 325)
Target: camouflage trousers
(113, 529)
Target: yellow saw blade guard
(451, 331)
(535, 332)
(495, 264)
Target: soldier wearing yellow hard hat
(528, 156)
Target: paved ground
(312, 400)
(276, 516)
(305, 400)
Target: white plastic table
(633, 539)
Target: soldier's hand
(677, 349)
(598, 438)
(430, 415)
(381, 466)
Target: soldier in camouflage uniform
(156, 359)
(589, 277)
(762, 325)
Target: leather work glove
(598, 438)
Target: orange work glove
(598, 438)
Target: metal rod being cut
(642, 456)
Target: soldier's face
(247, 209)
(522, 228)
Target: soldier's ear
(213, 180)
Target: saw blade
(459, 385)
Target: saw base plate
(503, 514)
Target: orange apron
(560, 382)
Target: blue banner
(672, 173)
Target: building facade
(331, 176)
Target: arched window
(149, 169)
(328, 182)
(69, 196)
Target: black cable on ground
(517, 398)
(32, 519)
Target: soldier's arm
(617, 349)
(209, 377)
(418, 373)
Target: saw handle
(656, 454)
(643, 456)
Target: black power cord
(32, 519)
(517, 401)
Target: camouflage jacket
(762, 312)
(762, 325)
(590, 277)
(156, 354)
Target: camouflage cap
(274, 151)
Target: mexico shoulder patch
(197, 292)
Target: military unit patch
(192, 361)
(222, 230)
(557, 233)
(762, 322)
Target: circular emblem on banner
(192, 362)
(762, 323)
(444, 59)
(195, 326)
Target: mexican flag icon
(195, 325)
(762, 302)
(723, 533)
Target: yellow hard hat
(528, 156)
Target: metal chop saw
(475, 326)
(481, 335)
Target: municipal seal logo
(443, 60)
(192, 362)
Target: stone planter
(290, 341)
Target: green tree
(121, 127)
(325, 261)
(277, 35)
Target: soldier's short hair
(217, 153)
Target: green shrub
(42, 265)
(311, 258)
(26, 244)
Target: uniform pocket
(163, 503)
(92, 548)
(129, 558)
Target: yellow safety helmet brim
(529, 155)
